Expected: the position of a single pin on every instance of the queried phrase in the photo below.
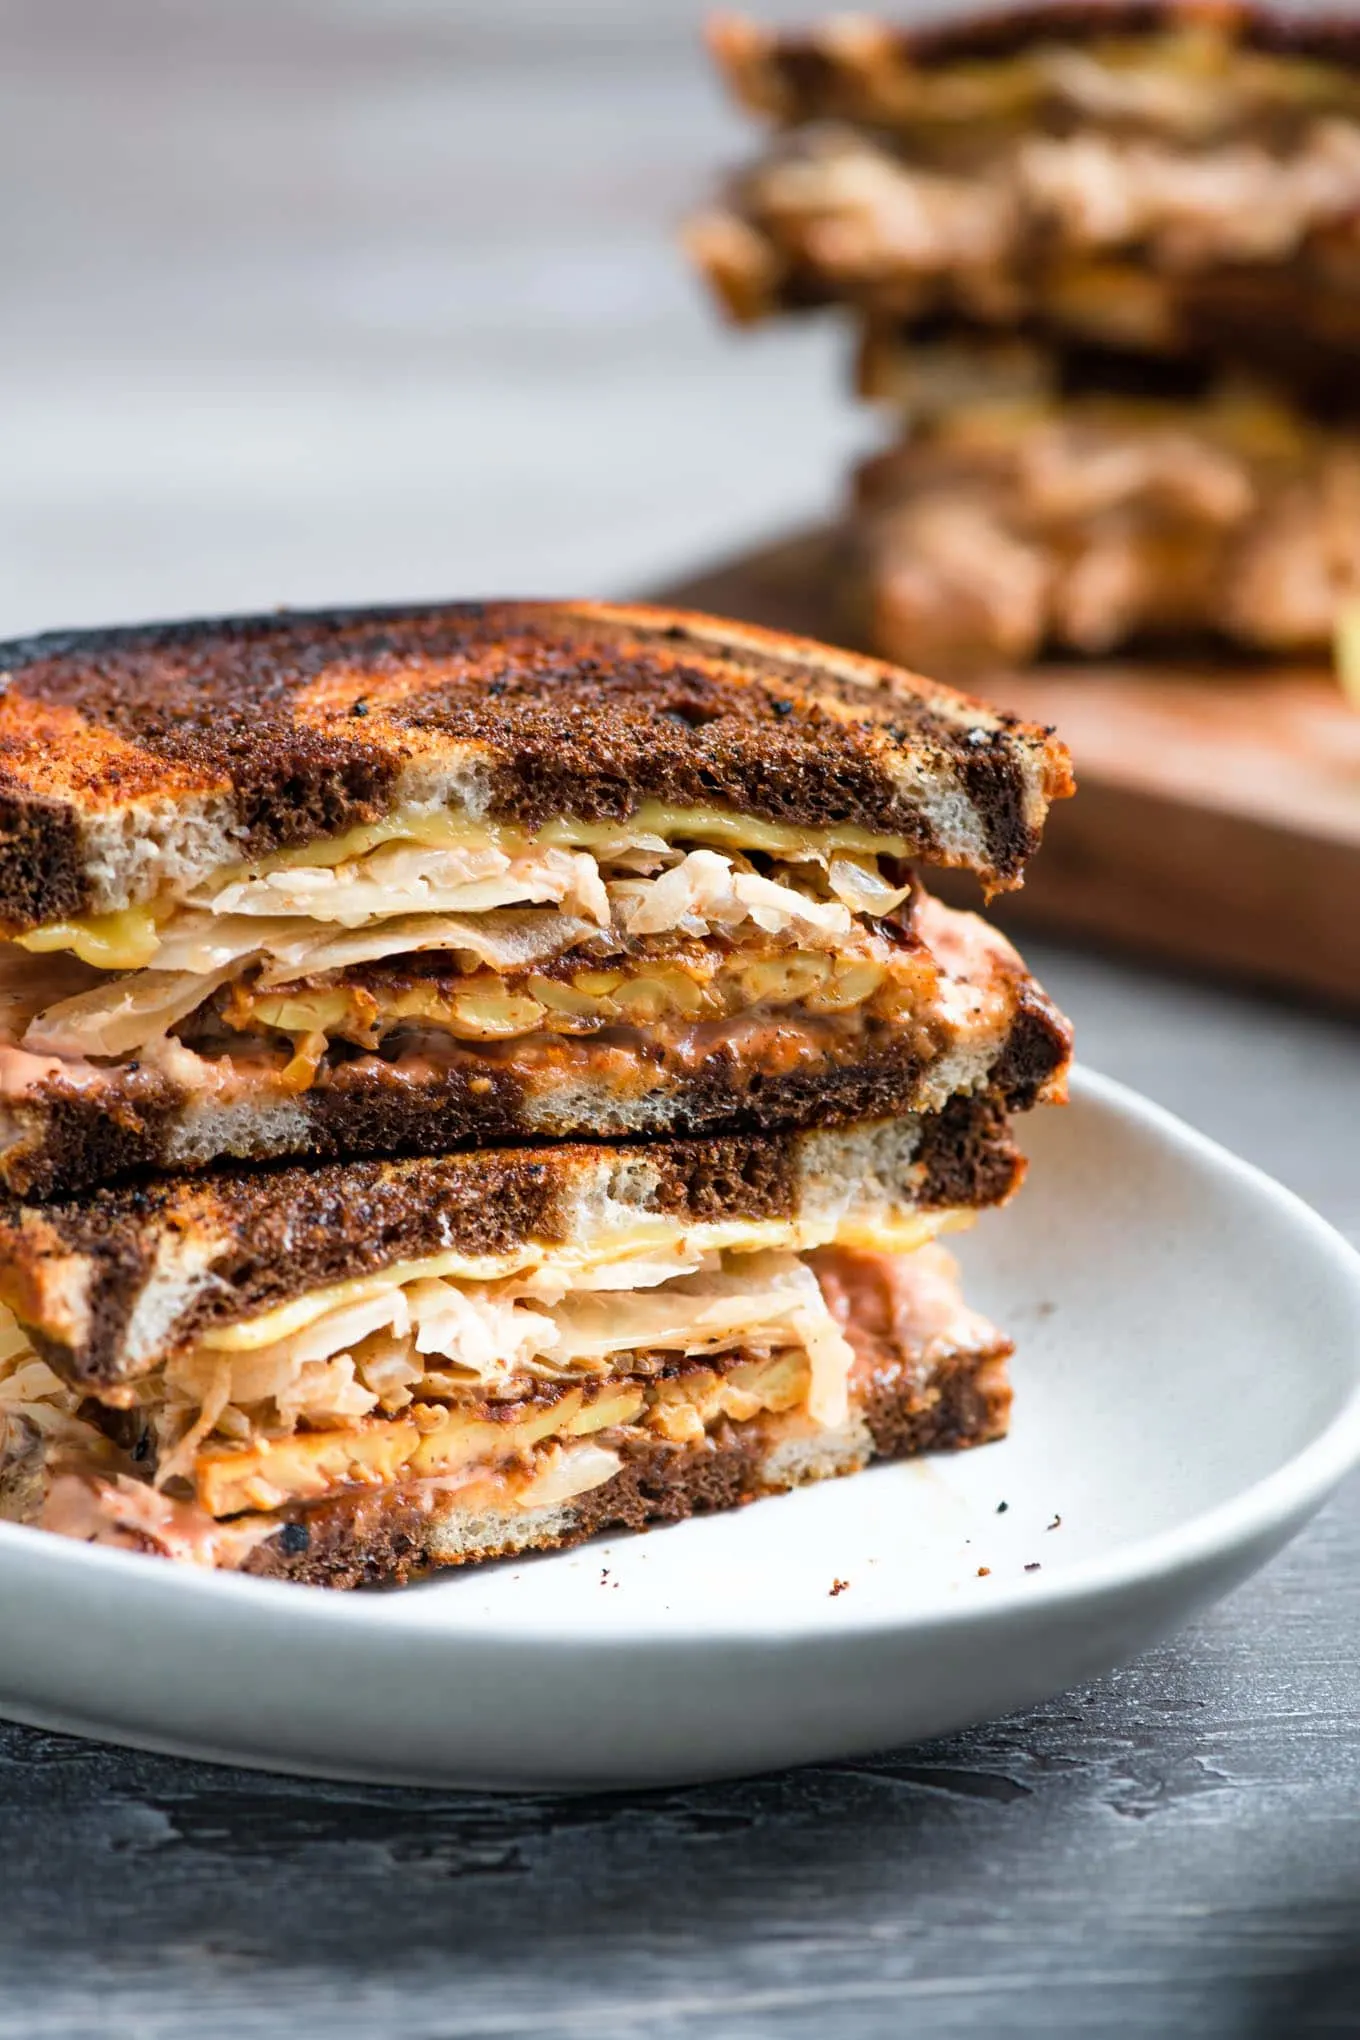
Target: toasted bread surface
(134, 758)
(110, 1285)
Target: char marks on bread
(132, 757)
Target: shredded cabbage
(375, 1353)
(704, 890)
(489, 907)
(116, 1018)
(863, 889)
(403, 878)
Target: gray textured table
(307, 303)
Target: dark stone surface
(1171, 1850)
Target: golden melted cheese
(653, 818)
(128, 939)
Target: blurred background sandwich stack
(1100, 267)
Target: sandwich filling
(439, 947)
(518, 1394)
(1002, 219)
(993, 532)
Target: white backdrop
(361, 299)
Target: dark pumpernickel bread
(110, 1285)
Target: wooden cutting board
(1217, 821)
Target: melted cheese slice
(129, 939)
(654, 818)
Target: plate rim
(1262, 1513)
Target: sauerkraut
(483, 905)
(436, 1338)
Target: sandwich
(350, 1373)
(377, 883)
(572, 967)
(1104, 265)
(1087, 519)
(1179, 178)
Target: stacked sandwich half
(1104, 262)
(473, 1076)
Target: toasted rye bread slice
(1287, 322)
(854, 68)
(109, 1287)
(135, 759)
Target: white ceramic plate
(1188, 1392)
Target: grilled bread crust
(129, 757)
(109, 1286)
(835, 71)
